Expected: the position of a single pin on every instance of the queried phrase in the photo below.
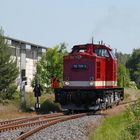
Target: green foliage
(51, 65)
(9, 92)
(123, 76)
(132, 116)
(133, 65)
(132, 84)
(8, 71)
(134, 130)
(123, 72)
(122, 58)
(125, 126)
(110, 128)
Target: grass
(114, 128)
(110, 128)
(130, 94)
(10, 108)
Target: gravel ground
(77, 129)
(13, 134)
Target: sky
(51, 22)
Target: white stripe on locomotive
(88, 83)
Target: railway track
(35, 124)
(29, 121)
(128, 102)
(58, 120)
(25, 119)
(39, 122)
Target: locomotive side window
(101, 52)
(81, 50)
(112, 55)
(78, 49)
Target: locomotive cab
(90, 66)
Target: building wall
(32, 55)
(30, 71)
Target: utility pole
(22, 75)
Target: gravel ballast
(76, 129)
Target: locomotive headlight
(91, 83)
(66, 83)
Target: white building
(26, 54)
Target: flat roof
(24, 42)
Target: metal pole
(20, 94)
(24, 92)
(23, 74)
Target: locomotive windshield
(77, 49)
(101, 52)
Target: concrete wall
(26, 55)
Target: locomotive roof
(83, 46)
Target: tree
(51, 65)
(123, 72)
(133, 65)
(122, 58)
(8, 70)
(123, 76)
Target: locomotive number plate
(79, 66)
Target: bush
(133, 129)
(9, 92)
(132, 116)
(49, 106)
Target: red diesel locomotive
(90, 79)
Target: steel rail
(35, 130)
(13, 127)
(127, 102)
(21, 122)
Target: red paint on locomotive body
(90, 66)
